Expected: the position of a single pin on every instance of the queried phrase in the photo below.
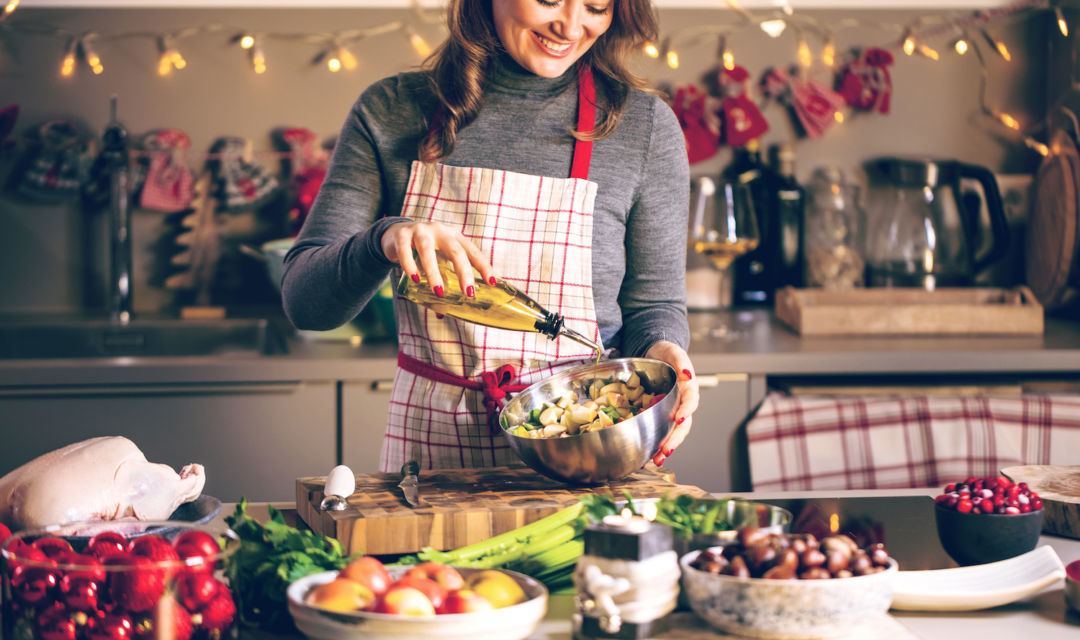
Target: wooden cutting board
(458, 506)
(1059, 488)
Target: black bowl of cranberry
(984, 520)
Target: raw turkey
(106, 478)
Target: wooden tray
(1059, 488)
(459, 506)
(910, 311)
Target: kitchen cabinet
(713, 456)
(364, 406)
(254, 439)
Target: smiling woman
(526, 151)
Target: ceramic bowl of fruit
(156, 580)
(428, 601)
(770, 585)
(593, 423)
(988, 519)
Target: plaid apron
(537, 233)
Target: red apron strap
(586, 122)
(495, 384)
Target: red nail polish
(681, 420)
(668, 452)
(491, 281)
(689, 376)
(470, 291)
(438, 291)
(663, 459)
(415, 278)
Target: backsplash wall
(54, 257)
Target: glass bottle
(751, 278)
(832, 234)
(788, 207)
(501, 305)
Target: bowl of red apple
(370, 601)
(117, 581)
(981, 520)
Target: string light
(828, 54)
(67, 65)
(91, 56)
(929, 52)
(419, 45)
(838, 115)
(774, 28)
(908, 42)
(961, 45)
(672, 59)
(246, 41)
(998, 46)
(258, 58)
(169, 57)
(1063, 26)
(728, 59)
(1037, 146)
(650, 49)
(9, 8)
(806, 58)
(1007, 120)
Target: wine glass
(723, 226)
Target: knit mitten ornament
(168, 182)
(811, 104)
(307, 162)
(743, 120)
(240, 184)
(865, 82)
(699, 125)
(55, 170)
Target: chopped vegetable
(606, 402)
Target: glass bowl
(113, 580)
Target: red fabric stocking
(702, 135)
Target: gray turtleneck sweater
(639, 222)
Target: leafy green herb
(270, 557)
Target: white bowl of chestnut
(771, 585)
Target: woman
(527, 151)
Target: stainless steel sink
(83, 338)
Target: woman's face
(548, 36)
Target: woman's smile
(548, 36)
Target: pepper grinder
(627, 580)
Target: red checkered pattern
(537, 233)
(868, 442)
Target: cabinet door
(713, 456)
(364, 405)
(253, 439)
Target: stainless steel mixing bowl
(600, 456)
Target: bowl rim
(685, 560)
(938, 506)
(298, 589)
(582, 367)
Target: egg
(341, 481)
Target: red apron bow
(494, 384)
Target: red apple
(428, 587)
(444, 575)
(404, 600)
(465, 601)
(369, 572)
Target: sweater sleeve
(653, 295)
(337, 265)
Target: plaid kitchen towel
(875, 442)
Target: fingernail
(668, 452)
(438, 291)
(439, 316)
(681, 420)
(470, 291)
(415, 278)
(491, 281)
(663, 459)
(689, 376)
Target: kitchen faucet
(114, 155)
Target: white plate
(980, 586)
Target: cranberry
(80, 591)
(33, 585)
(55, 623)
(952, 500)
(198, 550)
(110, 627)
(1025, 508)
(1036, 503)
(52, 547)
(196, 590)
(106, 543)
(963, 505)
(5, 533)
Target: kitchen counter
(762, 346)
(1043, 615)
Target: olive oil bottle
(500, 305)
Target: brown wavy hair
(460, 66)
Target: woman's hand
(674, 355)
(400, 240)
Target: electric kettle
(926, 226)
